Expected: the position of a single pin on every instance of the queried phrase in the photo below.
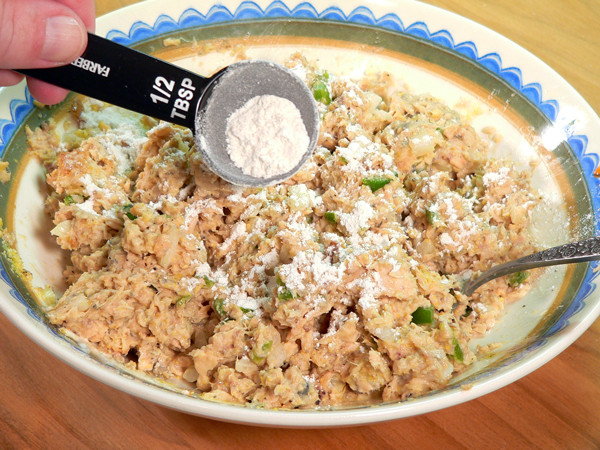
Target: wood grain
(46, 404)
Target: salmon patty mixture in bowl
(335, 296)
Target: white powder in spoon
(266, 137)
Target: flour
(266, 137)
(359, 218)
(122, 144)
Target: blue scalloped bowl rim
(249, 10)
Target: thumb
(39, 33)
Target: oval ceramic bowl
(490, 80)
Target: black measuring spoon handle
(130, 79)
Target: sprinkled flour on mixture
(266, 137)
(339, 287)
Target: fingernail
(64, 39)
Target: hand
(42, 33)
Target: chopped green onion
(517, 278)
(458, 353)
(181, 301)
(208, 283)
(432, 216)
(477, 180)
(468, 311)
(330, 217)
(343, 160)
(127, 209)
(440, 130)
(423, 315)
(246, 310)
(375, 183)
(255, 358)
(284, 293)
(321, 93)
(218, 305)
(68, 200)
(266, 347)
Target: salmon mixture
(338, 287)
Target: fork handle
(575, 252)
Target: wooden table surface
(46, 404)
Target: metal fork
(581, 251)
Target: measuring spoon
(130, 79)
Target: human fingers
(39, 33)
(9, 78)
(85, 9)
(45, 93)
(58, 37)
